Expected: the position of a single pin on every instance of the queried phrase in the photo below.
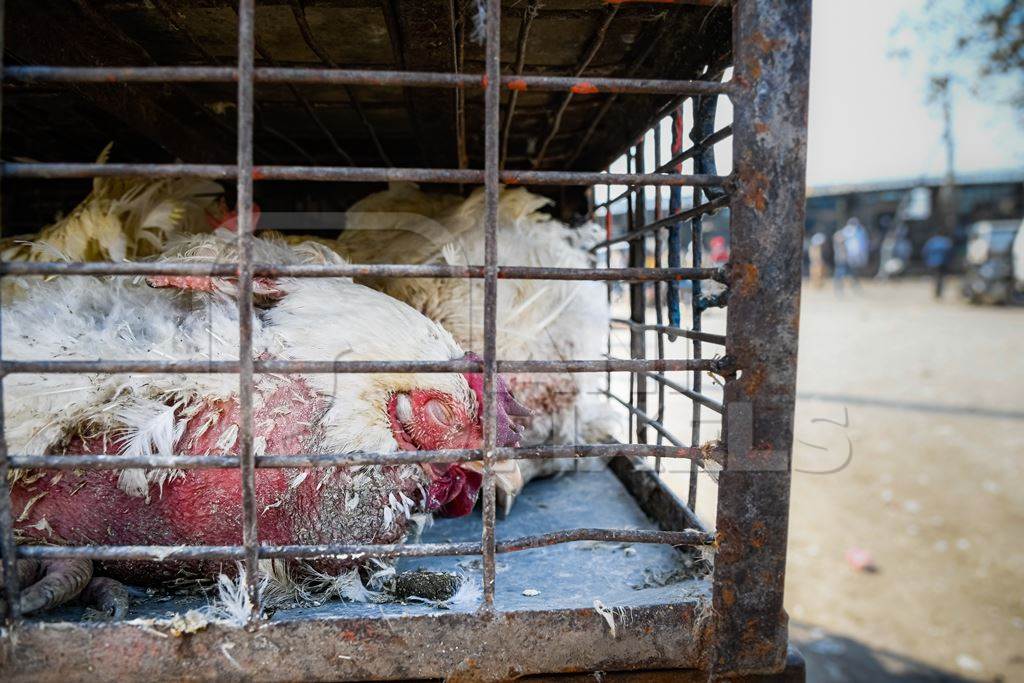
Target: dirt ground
(933, 393)
(910, 441)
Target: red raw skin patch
(263, 287)
(203, 507)
(198, 283)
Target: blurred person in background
(816, 254)
(937, 253)
(850, 253)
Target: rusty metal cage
(736, 627)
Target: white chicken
(145, 414)
(537, 319)
(122, 219)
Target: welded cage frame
(747, 633)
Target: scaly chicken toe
(50, 583)
(106, 596)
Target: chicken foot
(51, 583)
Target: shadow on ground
(837, 659)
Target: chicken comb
(507, 406)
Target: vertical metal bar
(12, 598)
(675, 244)
(697, 251)
(630, 222)
(250, 532)
(696, 256)
(771, 45)
(492, 122)
(637, 298)
(610, 284)
(658, 289)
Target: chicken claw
(106, 596)
(49, 583)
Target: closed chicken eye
(439, 412)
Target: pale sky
(868, 116)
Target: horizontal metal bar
(622, 274)
(705, 401)
(358, 270)
(117, 268)
(351, 174)
(9, 367)
(306, 75)
(589, 178)
(94, 170)
(680, 217)
(120, 74)
(689, 537)
(193, 462)
(669, 329)
(716, 365)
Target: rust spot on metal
(517, 84)
(744, 278)
(758, 532)
(756, 188)
(764, 44)
(584, 88)
(257, 173)
(752, 380)
(761, 128)
(483, 81)
(728, 596)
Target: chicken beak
(508, 481)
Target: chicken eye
(439, 412)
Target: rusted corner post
(771, 43)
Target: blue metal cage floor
(564, 576)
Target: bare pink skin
(203, 507)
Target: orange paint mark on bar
(668, 2)
(518, 84)
(584, 88)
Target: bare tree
(977, 42)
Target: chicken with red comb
(198, 415)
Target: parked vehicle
(989, 272)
